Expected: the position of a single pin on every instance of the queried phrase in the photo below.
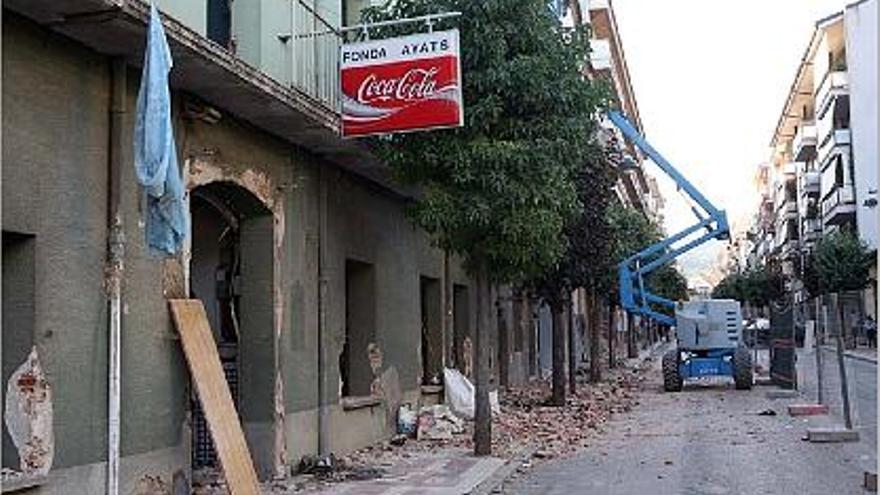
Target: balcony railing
(804, 144)
(809, 182)
(835, 138)
(314, 54)
(833, 84)
(839, 205)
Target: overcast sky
(710, 78)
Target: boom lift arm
(634, 297)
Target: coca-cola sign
(401, 84)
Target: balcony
(808, 183)
(836, 139)
(313, 57)
(839, 206)
(812, 230)
(600, 54)
(804, 144)
(833, 85)
(787, 209)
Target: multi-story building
(328, 308)
(635, 187)
(822, 174)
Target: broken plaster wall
(243, 162)
(55, 156)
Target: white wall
(861, 54)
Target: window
(18, 317)
(220, 23)
(360, 329)
(791, 190)
(838, 171)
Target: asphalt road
(707, 439)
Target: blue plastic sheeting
(155, 155)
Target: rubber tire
(672, 381)
(742, 368)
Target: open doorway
(231, 272)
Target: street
(708, 439)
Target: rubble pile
(528, 419)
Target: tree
(757, 286)
(630, 232)
(667, 281)
(842, 262)
(499, 190)
(585, 261)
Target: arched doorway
(231, 272)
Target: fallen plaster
(151, 485)
(28, 416)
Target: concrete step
(781, 394)
(807, 409)
(832, 435)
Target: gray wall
(55, 137)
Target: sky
(710, 78)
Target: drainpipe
(323, 424)
(115, 258)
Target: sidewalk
(448, 472)
(526, 432)
(862, 354)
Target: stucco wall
(861, 53)
(55, 154)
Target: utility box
(708, 324)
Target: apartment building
(329, 308)
(822, 172)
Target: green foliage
(587, 259)
(758, 286)
(500, 190)
(841, 262)
(668, 282)
(629, 232)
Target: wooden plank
(213, 391)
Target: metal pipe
(393, 22)
(115, 262)
(323, 413)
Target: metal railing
(313, 53)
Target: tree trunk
(503, 346)
(844, 388)
(531, 337)
(631, 350)
(593, 337)
(611, 336)
(573, 361)
(517, 331)
(482, 410)
(558, 398)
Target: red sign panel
(401, 84)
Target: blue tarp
(155, 156)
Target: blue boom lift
(708, 332)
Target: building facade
(822, 172)
(329, 309)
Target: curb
(496, 479)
